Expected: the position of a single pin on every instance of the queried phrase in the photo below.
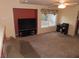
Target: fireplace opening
(27, 26)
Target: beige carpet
(27, 50)
(54, 45)
(50, 45)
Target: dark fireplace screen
(27, 26)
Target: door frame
(77, 24)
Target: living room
(68, 15)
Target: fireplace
(27, 26)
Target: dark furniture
(63, 28)
(58, 28)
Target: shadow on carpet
(27, 50)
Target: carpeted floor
(27, 50)
(50, 45)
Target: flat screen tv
(27, 23)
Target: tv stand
(27, 32)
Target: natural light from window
(48, 20)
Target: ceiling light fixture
(61, 6)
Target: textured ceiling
(48, 2)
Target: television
(27, 23)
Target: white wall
(69, 15)
(1, 38)
(7, 19)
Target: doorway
(77, 29)
(77, 25)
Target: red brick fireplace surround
(23, 13)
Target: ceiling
(47, 2)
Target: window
(48, 20)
